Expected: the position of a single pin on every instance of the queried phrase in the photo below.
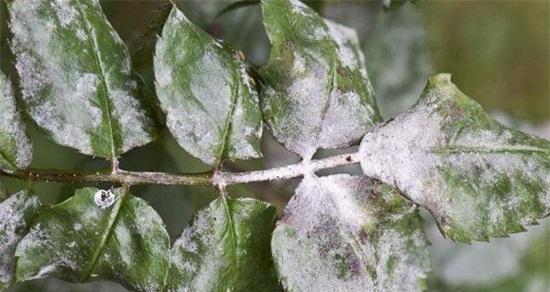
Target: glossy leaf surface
(226, 248)
(76, 77)
(97, 234)
(210, 101)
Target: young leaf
(349, 233)
(204, 88)
(15, 215)
(76, 77)
(477, 177)
(97, 234)
(15, 145)
(226, 249)
(316, 91)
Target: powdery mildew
(82, 94)
(338, 234)
(15, 213)
(76, 240)
(325, 99)
(221, 250)
(16, 149)
(205, 91)
(477, 177)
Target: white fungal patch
(12, 225)
(104, 198)
(337, 226)
(17, 147)
(349, 48)
(68, 99)
(318, 111)
(207, 95)
(65, 12)
(471, 173)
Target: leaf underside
(350, 233)
(76, 77)
(15, 145)
(78, 240)
(226, 248)
(478, 178)
(211, 106)
(16, 212)
(316, 92)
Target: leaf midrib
(114, 215)
(102, 74)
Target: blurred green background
(497, 51)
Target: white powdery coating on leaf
(346, 120)
(12, 223)
(299, 128)
(187, 257)
(65, 12)
(127, 111)
(415, 149)
(349, 48)
(206, 94)
(401, 146)
(325, 105)
(37, 239)
(67, 93)
(321, 245)
(11, 126)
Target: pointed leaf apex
(440, 79)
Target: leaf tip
(440, 79)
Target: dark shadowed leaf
(316, 91)
(226, 248)
(97, 234)
(209, 99)
(15, 215)
(350, 233)
(15, 145)
(76, 77)
(477, 177)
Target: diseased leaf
(15, 145)
(477, 177)
(97, 234)
(316, 91)
(226, 248)
(210, 104)
(15, 215)
(350, 233)
(76, 77)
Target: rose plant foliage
(478, 178)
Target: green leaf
(76, 77)
(316, 91)
(226, 248)
(210, 104)
(15, 215)
(15, 145)
(97, 234)
(350, 233)
(477, 177)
